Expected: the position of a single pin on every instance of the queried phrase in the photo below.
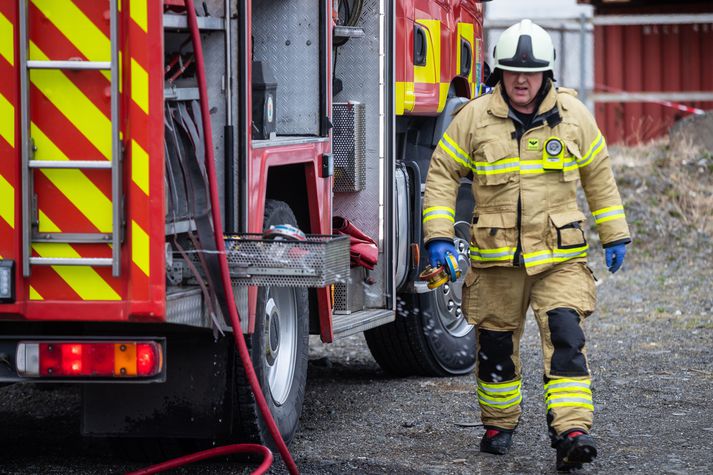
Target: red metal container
(667, 59)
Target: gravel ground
(650, 350)
(650, 347)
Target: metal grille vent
(349, 146)
(349, 296)
(341, 298)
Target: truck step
(347, 324)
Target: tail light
(89, 359)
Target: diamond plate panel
(357, 65)
(286, 37)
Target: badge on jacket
(553, 154)
(533, 144)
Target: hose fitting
(440, 275)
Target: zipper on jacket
(518, 249)
(520, 131)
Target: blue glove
(614, 257)
(437, 250)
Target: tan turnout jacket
(526, 210)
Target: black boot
(573, 449)
(496, 441)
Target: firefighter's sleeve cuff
(617, 242)
(438, 238)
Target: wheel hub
(273, 335)
(280, 341)
(450, 296)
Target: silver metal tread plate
(348, 324)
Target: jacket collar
(500, 108)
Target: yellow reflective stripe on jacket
(498, 254)
(531, 167)
(608, 214)
(436, 212)
(453, 149)
(558, 255)
(594, 149)
(504, 165)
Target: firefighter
(526, 145)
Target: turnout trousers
(496, 300)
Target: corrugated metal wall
(649, 58)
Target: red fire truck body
(320, 110)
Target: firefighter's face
(522, 88)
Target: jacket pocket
(497, 163)
(568, 229)
(494, 237)
(570, 171)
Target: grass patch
(667, 190)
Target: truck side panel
(422, 86)
(70, 119)
(9, 144)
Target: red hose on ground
(210, 453)
(228, 288)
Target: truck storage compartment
(286, 38)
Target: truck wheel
(279, 349)
(430, 335)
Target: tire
(430, 336)
(279, 351)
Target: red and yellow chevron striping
(70, 115)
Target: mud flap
(190, 404)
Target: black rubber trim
(420, 46)
(617, 242)
(495, 351)
(572, 225)
(524, 56)
(568, 341)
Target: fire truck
(323, 115)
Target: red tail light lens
(71, 359)
(60, 359)
(146, 359)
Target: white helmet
(524, 47)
